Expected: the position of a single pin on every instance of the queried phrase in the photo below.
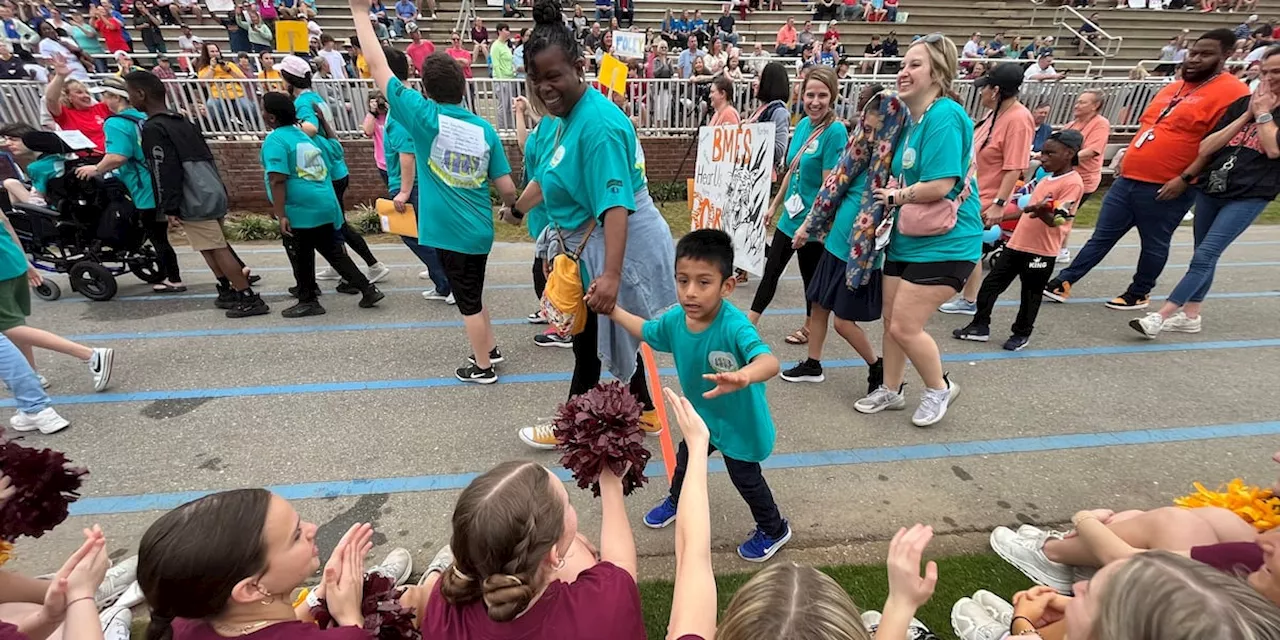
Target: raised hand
(907, 587)
(692, 427)
(727, 382)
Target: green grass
(958, 577)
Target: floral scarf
(871, 150)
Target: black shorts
(466, 277)
(952, 273)
(828, 290)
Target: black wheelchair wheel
(48, 290)
(146, 268)
(93, 280)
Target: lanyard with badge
(795, 204)
(1150, 133)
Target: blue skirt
(827, 289)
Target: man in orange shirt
(1150, 192)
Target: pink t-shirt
(463, 56)
(87, 121)
(1008, 149)
(1095, 132)
(419, 52)
(603, 602)
(1032, 235)
(379, 152)
(184, 629)
(727, 116)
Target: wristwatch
(516, 213)
(1000, 202)
(1187, 178)
(1264, 118)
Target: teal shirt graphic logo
(722, 361)
(909, 158)
(557, 156)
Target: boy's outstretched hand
(726, 383)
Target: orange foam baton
(659, 405)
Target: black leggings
(302, 248)
(776, 262)
(539, 278)
(158, 233)
(350, 236)
(586, 365)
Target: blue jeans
(428, 256)
(1218, 223)
(1130, 204)
(21, 379)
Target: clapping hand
(343, 579)
(79, 576)
(1041, 605)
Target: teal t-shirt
(307, 104)
(740, 423)
(42, 170)
(124, 138)
(13, 260)
(598, 165)
(309, 197)
(819, 155)
(837, 243)
(537, 150)
(457, 154)
(939, 146)
(395, 141)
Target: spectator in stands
(1043, 127)
(148, 24)
(787, 43)
(1089, 32)
(724, 27)
(978, 70)
(700, 28)
(260, 36)
(826, 10)
(462, 56)
(86, 37)
(480, 41)
(874, 49)
(593, 38)
(685, 62)
(420, 48)
(189, 45)
(923, 272)
(163, 69)
(1042, 70)
(578, 22)
(604, 9)
(1151, 190)
(1096, 129)
(684, 28)
(1002, 140)
(973, 48)
(53, 47)
(890, 10)
(1029, 52)
(517, 59)
(511, 9)
(1167, 54)
(625, 12)
(227, 99)
(237, 38)
(10, 65)
(110, 27)
(331, 55)
(828, 55)
(406, 12)
(187, 7)
(124, 64)
(15, 30)
(358, 62)
(1239, 165)
(995, 48)
(1045, 47)
(807, 37)
(502, 67)
(715, 59)
(267, 64)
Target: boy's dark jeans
(749, 480)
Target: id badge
(794, 205)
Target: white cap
(293, 65)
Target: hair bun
(547, 12)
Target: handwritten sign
(628, 44)
(731, 187)
(220, 6)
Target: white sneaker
(450, 300)
(47, 421)
(1149, 325)
(425, 274)
(432, 294)
(880, 400)
(1180, 323)
(100, 367)
(44, 382)
(441, 562)
(972, 622)
(934, 403)
(1028, 557)
(115, 623)
(119, 577)
(915, 629)
(1064, 254)
(995, 606)
(397, 565)
(328, 273)
(378, 272)
(131, 597)
(871, 620)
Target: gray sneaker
(116, 581)
(934, 403)
(882, 399)
(116, 623)
(397, 565)
(439, 564)
(1027, 555)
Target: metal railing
(658, 107)
(1065, 13)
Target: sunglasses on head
(932, 38)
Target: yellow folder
(401, 224)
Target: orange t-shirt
(1165, 147)
(728, 116)
(1032, 234)
(1009, 148)
(1096, 132)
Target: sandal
(801, 336)
(168, 288)
(741, 276)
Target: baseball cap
(293, 65)
(1006, 77)
(1071, 139)
(114, 86)
(410, 27)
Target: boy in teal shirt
(722, 363)
(303, 200)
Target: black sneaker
(254, 279)
(1016, 343)
(472, 373)
(875, 375)
(227, 298)
(1057, 290)
(495, 357)
(1128, 302)
(304, 309)
(348, 288)
(553, 340)
(293, 291)
(249, 304)
(807, 370)
(372, 296)
(974, 332)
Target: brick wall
(241, 168)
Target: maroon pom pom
(44, 488)
(384, 617)
(602, 428)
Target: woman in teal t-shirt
(932, 162)
(815, 147)
(537, 145)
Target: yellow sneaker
(650, 423)
(540, 437)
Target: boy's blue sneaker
(760, 547)
(662, 515)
